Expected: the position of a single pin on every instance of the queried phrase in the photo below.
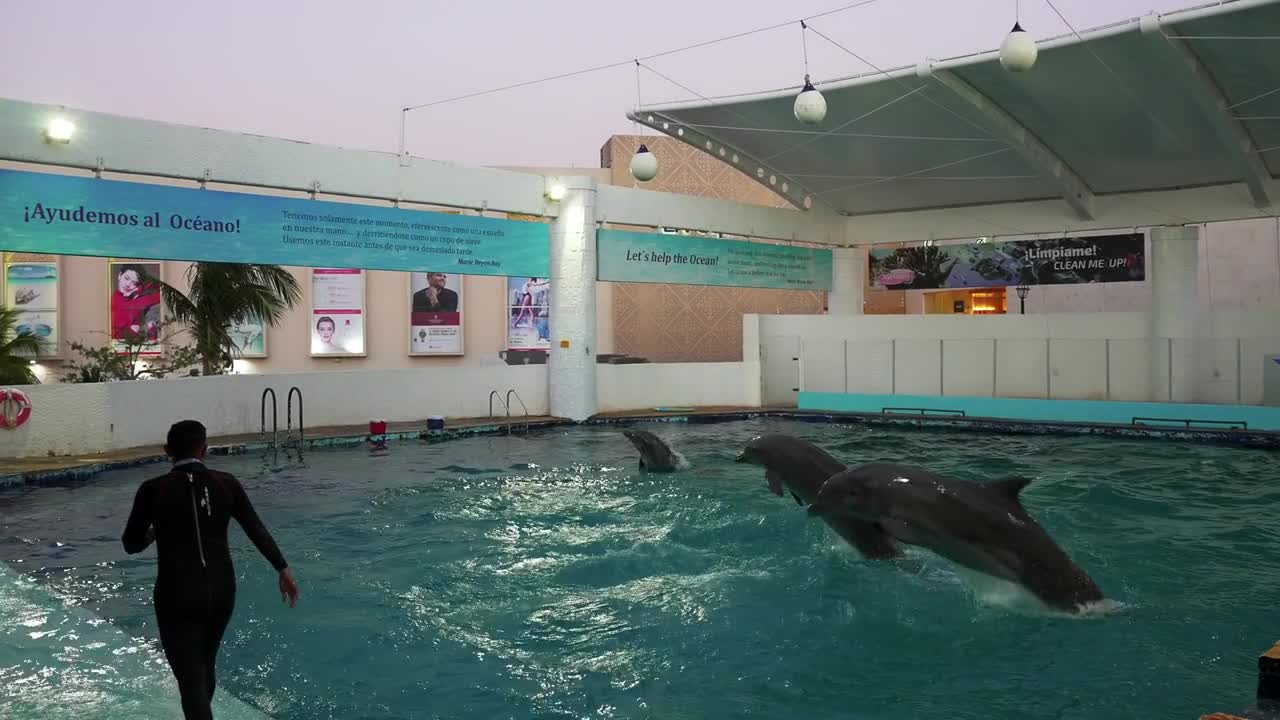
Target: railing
(1217, 371)
(275, 424)
(523, 408)
(275, 443)
(289, 419)
(506, 407)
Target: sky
(337, 72)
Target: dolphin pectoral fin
(1010, 487)
(798, 500)
(775, 482)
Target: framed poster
(435, 313)
(31, 288)
(528, 313)
(249, 337)
(135, 309)
(337, 312)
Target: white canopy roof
(1159, 103)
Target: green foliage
(112, 363)
(222, 294)
(17, 350)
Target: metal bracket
(315, 189)
(204, 179)
(102, 165)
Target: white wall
(1077, 356)
(644, 386)
(71, 419)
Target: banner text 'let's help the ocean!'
(109, 218)
(690, 260)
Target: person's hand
(288, 588)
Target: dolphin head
(845, 493)
(645, 442)
(756, 452)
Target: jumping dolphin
(979, 525)
(801, 467)
(656, 454)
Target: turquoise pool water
(544, 577)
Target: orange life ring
(18, 398)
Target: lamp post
(1022, 297)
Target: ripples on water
(544, 577)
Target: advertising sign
(623, 256)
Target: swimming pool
(545, 577)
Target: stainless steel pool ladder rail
(289, 418)
(524, 409)
(506, 407)
(275, 420)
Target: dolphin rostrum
(800, 467)
(656, 454)
(979, 525)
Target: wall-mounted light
(60, 130)
(555, 191)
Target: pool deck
(61, 468)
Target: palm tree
(225, 293)
(17, 350)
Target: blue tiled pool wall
(968, 423)
(1111, 412)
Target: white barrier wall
(645, 386)
(1078, 356)
(71, 419)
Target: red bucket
(377, 427)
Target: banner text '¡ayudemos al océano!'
(177, 221)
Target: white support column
(848, 281)
(1175, 313)
(572, 369)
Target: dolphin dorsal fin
(1010, 487)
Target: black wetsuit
(190, 508)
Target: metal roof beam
(1040, 156)
(1203, 90)
(787, 187)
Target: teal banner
(623, 256)
(109, 218)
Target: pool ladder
(506, 406)
(275, 425)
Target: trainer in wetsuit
(186, 512)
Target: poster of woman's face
(135, 305)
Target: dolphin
(656, 454)
(979, 525)
(801, 467)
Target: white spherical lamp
(810, 107)
(1018, 51)
(644, 165)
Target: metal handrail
(289, 417)
(275, 419)
(492, 395)
(523, 408)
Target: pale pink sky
(337, 72)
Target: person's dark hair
(186, 437)
(326, 319)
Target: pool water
(546, 577)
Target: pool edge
(1258, 439)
